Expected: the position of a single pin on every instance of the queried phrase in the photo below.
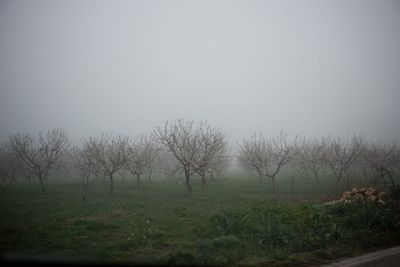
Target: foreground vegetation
(230, 222)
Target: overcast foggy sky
(309, 67)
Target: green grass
(231, 221)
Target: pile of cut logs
(360, 194)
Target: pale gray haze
(309, 67)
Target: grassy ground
(231, 221)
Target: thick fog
(309, 67)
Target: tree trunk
(316, 176)
(203, 181)
(392, 181)
(273, 183)
(338, 177)
(306, 172)
(42, 184)
(111, 184)
(85, 188)
(188, 185)
(292, 188)
(138, 179)
(348, 179)
(212, 176)
(365, 175)
(261, 177)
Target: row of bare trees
(183, 147)
(189, 149)
(339, 155)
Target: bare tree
(266, 157)
(310, 155)
(9, 165)
(42, 155)
(141, 156)
(82, 161)
(108, 154)
(186, 143)
(155, 158)
(342, 153)
(212, 149)
(383, 160)
(64, 170)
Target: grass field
(230, 222)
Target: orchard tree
(265, 156)
(213, 145)
(83, 162)
(342, 153)
(154, 155)
(187, 144)
(384, 161)
(40, 156)
(108, 154)
(310, 154)
(9, 165)
(141, 156)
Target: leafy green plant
(231, 223)
(219, 251)
(271, 230)
(361, 215)
(179, 258)
(299, 227)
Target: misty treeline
(185, 149)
